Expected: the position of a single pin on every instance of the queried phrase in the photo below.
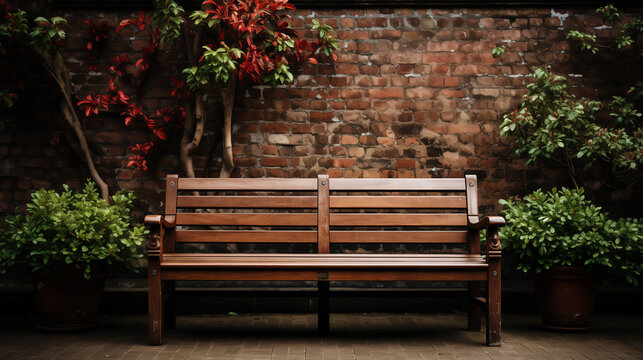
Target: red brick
(347, 22)
(356, 105)
(274, 161)
(347, 69)
(340, 81)
(301, 128)
(385, 34)
(465, 70)
(349, 140)
(337, 105)
(351, 94)
(406, 58)
(405, 164)
(453, 93)
(386, 93)
(321, 117)
(464, 129)
(368, 69)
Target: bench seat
(324, 261)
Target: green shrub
(71, 229)
(561, 227)
(552, 124)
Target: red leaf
(334, 56)
(312, 60)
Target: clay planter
(65, 300)
(566, 296)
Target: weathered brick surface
(414, 93)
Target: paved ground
(372, 336)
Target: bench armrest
(486, 222)
(160, 220)
(491, 224)
(158, 223)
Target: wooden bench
(322, 214)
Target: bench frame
(161, 280)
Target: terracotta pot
(65, 300)
(566, 296)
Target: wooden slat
(272, 219)
(338, 184)
(421, 237)
(295, 202)
(399, 202)
(398, 219)
(323, 212)
(244, 236)
(306, 257)
(265, 184)
(333, 275)
(322, 261)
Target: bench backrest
(322, 211)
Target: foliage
(71, 229)
(12, 23)
(629, 31)
(168, 18)
(609, 13)
(562, 227)
(248, 41)
(498, 51)
(48, 33)
(551, 123)
(587, 41)
(257, 41)
(217, 64)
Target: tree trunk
(55, 65)
(188, 129)
(228, 96)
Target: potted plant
(70, 242)
(567, 243)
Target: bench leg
(323, 306)
(475, 308)
(169, 303)
(493, 304)
(155, 305)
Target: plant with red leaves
(92, 103)
(139, 21)
(141, 148)
(137, 161)
(171, 116)
(140, 151)
(134, 112)
(257, 44)
(118, 64)
(149, 52)
(180, 91)
(115, 96)
(157, 127)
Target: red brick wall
(414, 93)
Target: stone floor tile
(353, 336)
